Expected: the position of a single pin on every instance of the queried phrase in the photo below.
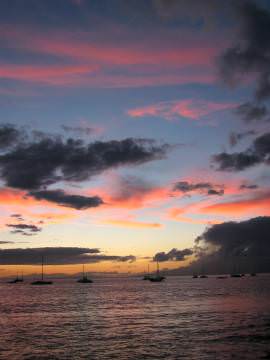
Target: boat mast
(157, 268)
(42, 267)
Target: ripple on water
(130, 319)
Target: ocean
(127, 318)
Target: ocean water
(127, 318)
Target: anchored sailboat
(157, 277)
(147, 276)
(17, 279)
(84, 279)
(42, 281)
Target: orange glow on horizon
(131, 223)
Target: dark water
(127, 318)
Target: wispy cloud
(257, 203)
(187, 108)
(132, 224)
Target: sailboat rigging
(42, 281)
(84, 279)
(157, 277)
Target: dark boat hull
(83, 281)
(15, 281)
(157, 279)
(146, 277)
(41, 282)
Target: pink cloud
(255, 204)
(53, 74)
(127, 63)
(188, 108)
(83, 46)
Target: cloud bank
(58, 256)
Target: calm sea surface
(127, 318)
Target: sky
(134, 131)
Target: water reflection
(131, 319)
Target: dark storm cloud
(258, 153)
(40, 163)
(251, 55)
(81, 130)
(173, 255)
(249, 58)
(250, 112)
(249, 237)
(232, 247)
(24, 227)
(9, 136)
(245, 243)
(58, 256)
(236, 137)
(74, 201)
(204, 187)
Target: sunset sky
(129, 128)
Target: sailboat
(84, 279)
(157, 277)
(235, 274)
(203, 275)
(42, 281)
(16, 280)
(147, 276)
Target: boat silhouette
(16, 280)
(236, 275)
(42, 281)
(147, 276)
(84, 279)
(157, 277)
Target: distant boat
(222, 277)
(147, 276)
(253, 274)
(84, 279)
(203, 273)
(42, 281)
(195, 276)
(157, 277)
(236, 275)
(16, 280)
